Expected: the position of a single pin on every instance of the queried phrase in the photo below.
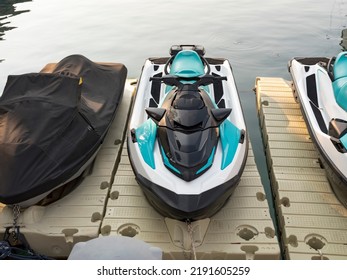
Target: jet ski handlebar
(172, 80)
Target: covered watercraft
(52, 124)
(187, 139)
(321, 89)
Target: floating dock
(53, 230)
(242, 229)
(110, 202)
(312, 222)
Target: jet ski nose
(188, 176)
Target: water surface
(258, 37)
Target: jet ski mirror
(337, 128)
(220, 114)
(156, 114)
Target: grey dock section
(54, 229)
(312, 222)
(110, 202)
(242, 229)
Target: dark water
(258, 37)
(8, 10)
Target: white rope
(320, 254)
(191, 231)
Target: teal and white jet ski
(187, 139)
(321, 89)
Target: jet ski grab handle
(208, 70)
(330, 67)
(172, 80)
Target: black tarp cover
(52, 123)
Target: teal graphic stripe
(343, 140)
(146, 136)
(230, 138)
(208, 163)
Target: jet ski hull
(313, 89)
(176, 195)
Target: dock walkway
(312, 222)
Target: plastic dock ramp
(312, 221)
(54, 229)
(242, 229)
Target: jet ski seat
(340, 80)
(340, 66)
(187, 64)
